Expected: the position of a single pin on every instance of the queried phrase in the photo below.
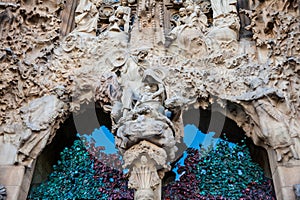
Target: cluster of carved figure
(147, 124)
(145, 62)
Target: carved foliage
(275, 25)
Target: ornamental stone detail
(146, 62)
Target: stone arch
(90, 116)
(221, 121)
(46, 77)
(49, 156)
(269, 156)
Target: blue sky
(192, 138)
(103, 137)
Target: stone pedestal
(285, 176)
(16, 180)
(147, 164)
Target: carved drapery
(145, 62)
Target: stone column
(16, 180)
(147, 164)
(285, 175)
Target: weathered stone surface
(289, 175)
(12, 175)
(13, 192)
(16, 180)
(9, 150)
(146, 62)
(41, 112)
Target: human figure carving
(150, 99)
(131, 79)
(152, 92)
(199, 19)
(145, 120)
(223, 7)
(226, 25)
(182, 17)
(86, 17)
(120, 20)
(275, 130)
(190, 31)
(189, 16)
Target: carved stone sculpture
(87, 17)
(147, 163)
(282, 141)
(143, 122)
(149, 26)
(145, 62)
(189, 35)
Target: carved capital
(147, 164)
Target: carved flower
(69, 42)
(97, 52)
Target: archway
(84, 121)
(187, 169)
(254, 70)
(66, 134)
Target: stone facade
(145, 62)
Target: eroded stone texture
(145, 62)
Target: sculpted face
(189, 10)
(182, 12)
(142, 55)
